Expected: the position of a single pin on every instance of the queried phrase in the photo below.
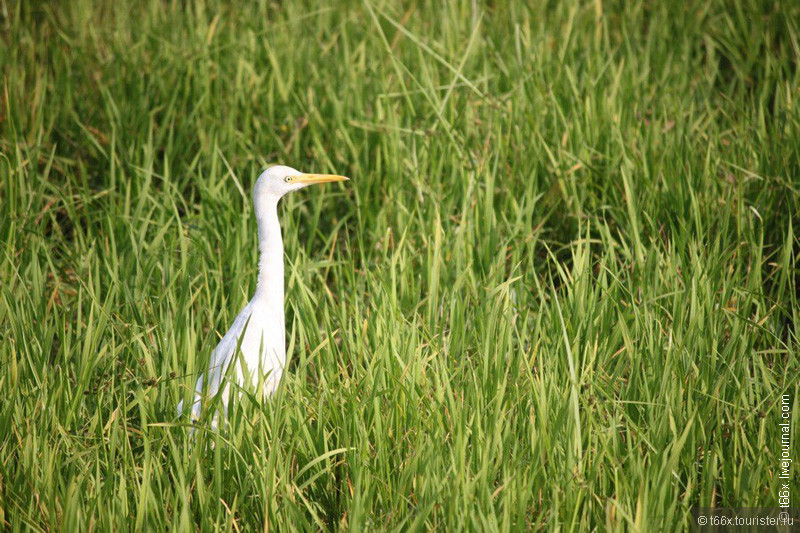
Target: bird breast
(263, 344)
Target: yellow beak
(311, 179)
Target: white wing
(221, 359)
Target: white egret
(259, 330)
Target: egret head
(278, 180)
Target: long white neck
(270, 261)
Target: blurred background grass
(560, 289)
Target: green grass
(560, 291)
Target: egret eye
(288, 179)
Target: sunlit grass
(560, 289)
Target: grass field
(560, 291)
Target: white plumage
(259, 329)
